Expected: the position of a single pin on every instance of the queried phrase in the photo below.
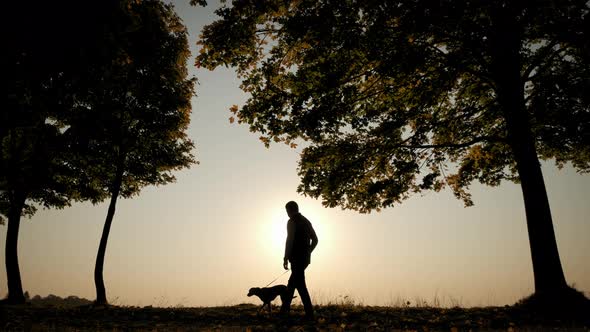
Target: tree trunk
(101, 296)
(547, 270)
(15, 288)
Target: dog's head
(253, 291)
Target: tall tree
(131, 128)
(34, 173)
(33, 148)
(399, 97)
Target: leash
(270, 283)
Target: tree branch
(546, 52)
(484, 77)
(453, 145)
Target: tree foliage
(135, 119)
(399, 97)
(40, 49)
(199, 2)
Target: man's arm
(288, 244)
(314, 238)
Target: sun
(277, 230)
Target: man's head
(292, 208)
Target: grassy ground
(245, 318)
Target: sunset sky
(220, 229)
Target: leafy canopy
(40, 56)
(399, 97)
(85, 83)
(133, 123)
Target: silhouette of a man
(301, 241)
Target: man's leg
(286, 306)
(305, 298)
